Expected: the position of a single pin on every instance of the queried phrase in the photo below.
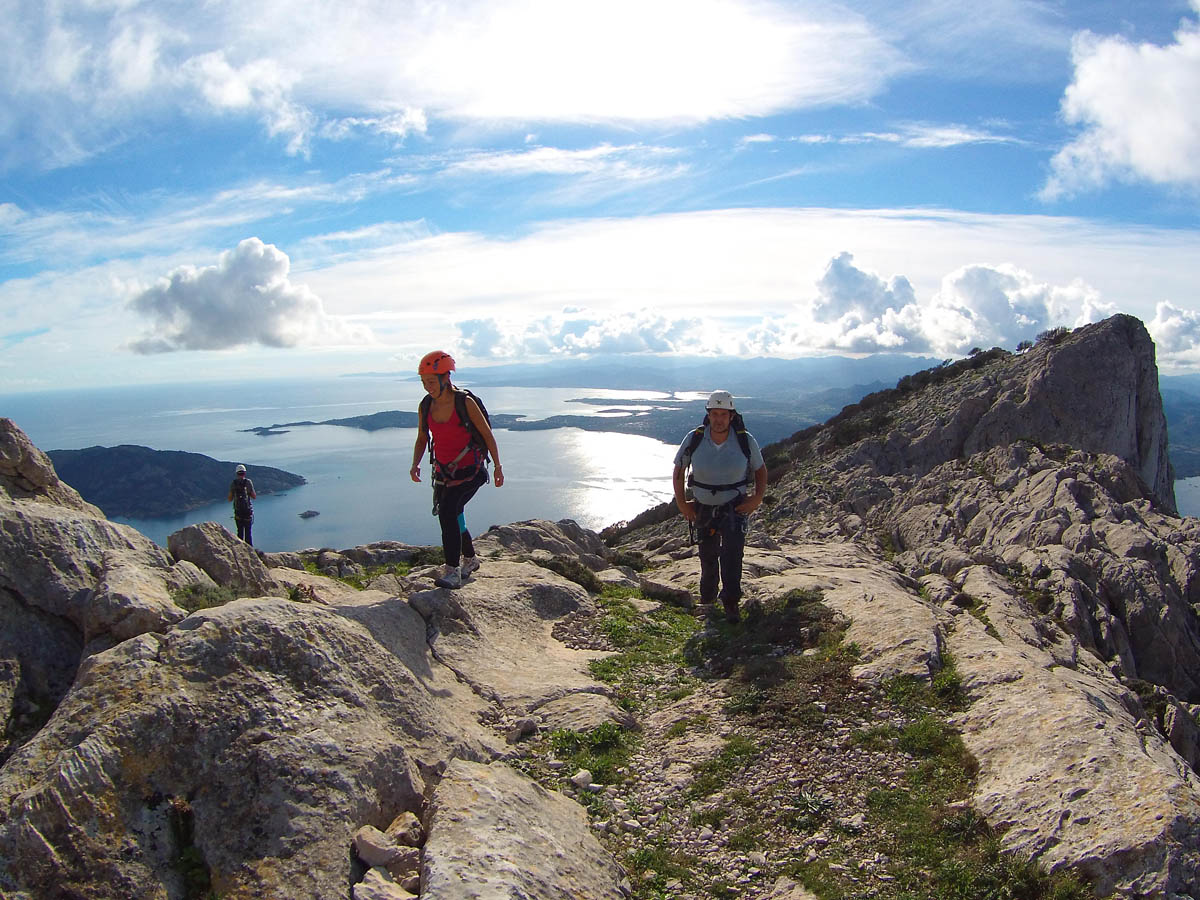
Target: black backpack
(243, 506)
(460, 407)
(738, 425)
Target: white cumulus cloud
(582, 332)
(858, 311)
(245, 299)
(1138, 110)
(1176, 334)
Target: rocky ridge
(245, 748)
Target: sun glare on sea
(619, 475)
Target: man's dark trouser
(244, 527)
(722, 539)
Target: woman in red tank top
(458, 469)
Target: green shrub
(194, 597)
(602, 751)
(573, 570)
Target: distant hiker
(241, 492)
(721, 471)
(457, 423)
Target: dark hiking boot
(731, 610)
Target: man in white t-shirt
(725, 461)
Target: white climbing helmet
(720, 400)
(240, 468)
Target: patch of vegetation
(1039, 599)
(602, 751)
(711, 817)
(680, 728)
(426, 556)
(652, 866)
(572, 569)
(361, 580)
(811, 811)
(195, 597)
(789, 673)
(748, 701)
(620, 592)
(1053, 336)
(189, 863)
(654, 639)
(943, 691)
(939, 850)
(714, 774)
(631, 559)
(794, 621)
(1153, 699)
(974, 606)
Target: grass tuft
(194, 597)
(603, 750)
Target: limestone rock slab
(276, 729)
(495, 834)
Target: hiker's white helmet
(240, 468)
(720, 400)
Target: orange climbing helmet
(439, 362)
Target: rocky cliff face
(1095, 389)
(1009, 519)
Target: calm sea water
(357, 480)
(1187, 496)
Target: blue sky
(210, 191)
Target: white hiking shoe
(450, 578)
(469, 564)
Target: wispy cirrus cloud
(149, 225)
(917, 135)
(633, 162)
(79, 74)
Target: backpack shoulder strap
(423, 411)
(460, 407)
(743, 438)
(738, 424)
(476, 436)
(693, 442)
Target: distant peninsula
(141, 483)
(769, 419)
(392, 418)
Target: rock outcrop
(71, 583)
(1095, 389)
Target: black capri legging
(456, 539)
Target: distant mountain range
(142, 483)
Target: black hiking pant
(451, 502)
(244, 527)
(721, 532)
